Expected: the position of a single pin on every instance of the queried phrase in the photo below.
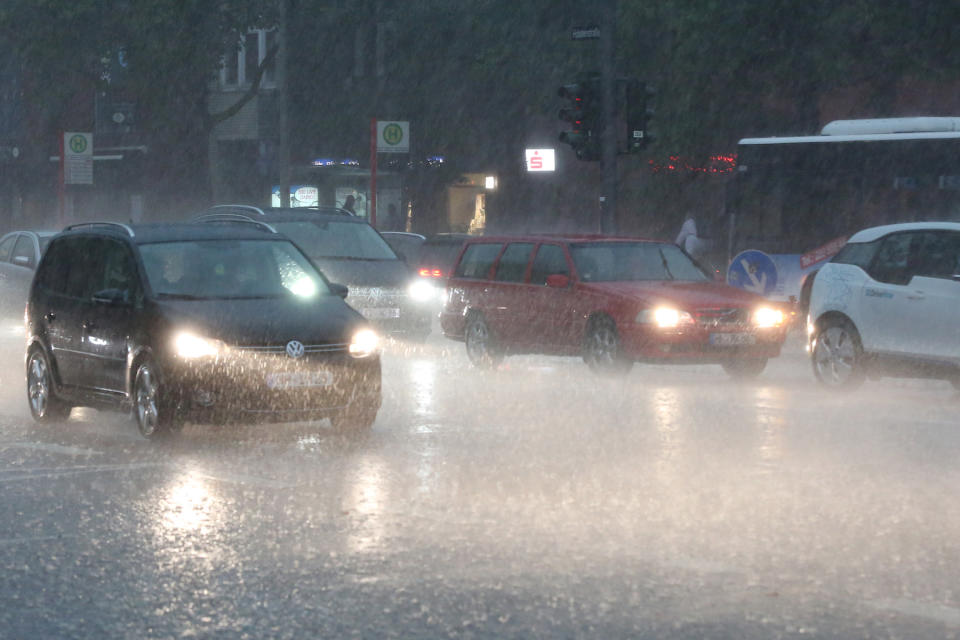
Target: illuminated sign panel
(540, 160)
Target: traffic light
(639, 113)
(584, 115)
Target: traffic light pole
(608, 140)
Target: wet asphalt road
(538, 501)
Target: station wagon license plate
(299, 379)
(732, 339)
(380, 313)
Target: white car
(889, 304)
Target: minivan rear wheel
(45, 406)
(837, 356)
(152, 414)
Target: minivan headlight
(190, 345)
(767, 317)
(365, 342)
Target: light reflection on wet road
(537, 501)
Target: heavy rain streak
(479, 319)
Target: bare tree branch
(215, 118)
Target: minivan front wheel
(153, 416)
(837, 355)
(44, 405)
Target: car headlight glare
(365, 342)
(421, 291)
(189, 345)
(665, 317)
(767, 317)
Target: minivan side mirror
(339, 289)
(112, 297)
(558, 280)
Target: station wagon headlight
(421, 291)
(767, 317)
(364, 343)
(189, 345)
(665, 317)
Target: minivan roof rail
(119, 225)
(237, 207)
(238, 218)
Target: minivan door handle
(916, 295)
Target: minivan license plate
(299, 379)
(732, 339)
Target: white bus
(797, 199)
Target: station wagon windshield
(220, 269)
(330, 239)
(626, 261)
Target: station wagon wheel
(744, 368)
(481, 347)
(601, 348)
(152, 415)
(44, 405)
(837, 356)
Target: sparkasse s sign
(541, 160)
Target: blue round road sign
(754, 271)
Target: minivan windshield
(333, 239)
(619, 261)
(218, 269)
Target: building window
(240, 66)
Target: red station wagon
(613, 300)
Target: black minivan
(195, 321)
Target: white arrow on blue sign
(754, 271)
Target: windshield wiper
(666, 268)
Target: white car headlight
(767, 317)
(665, 317)
(365, 342)
(421, 291)
(189, 345)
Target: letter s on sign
(536, 162)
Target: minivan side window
(513, 263)
(71, 267)
(116, 270)
(550, 260)
(477, 260)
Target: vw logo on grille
(295, 349)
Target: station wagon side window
(512, 265)
(5, 248)
(550, 260)
(477, 260)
